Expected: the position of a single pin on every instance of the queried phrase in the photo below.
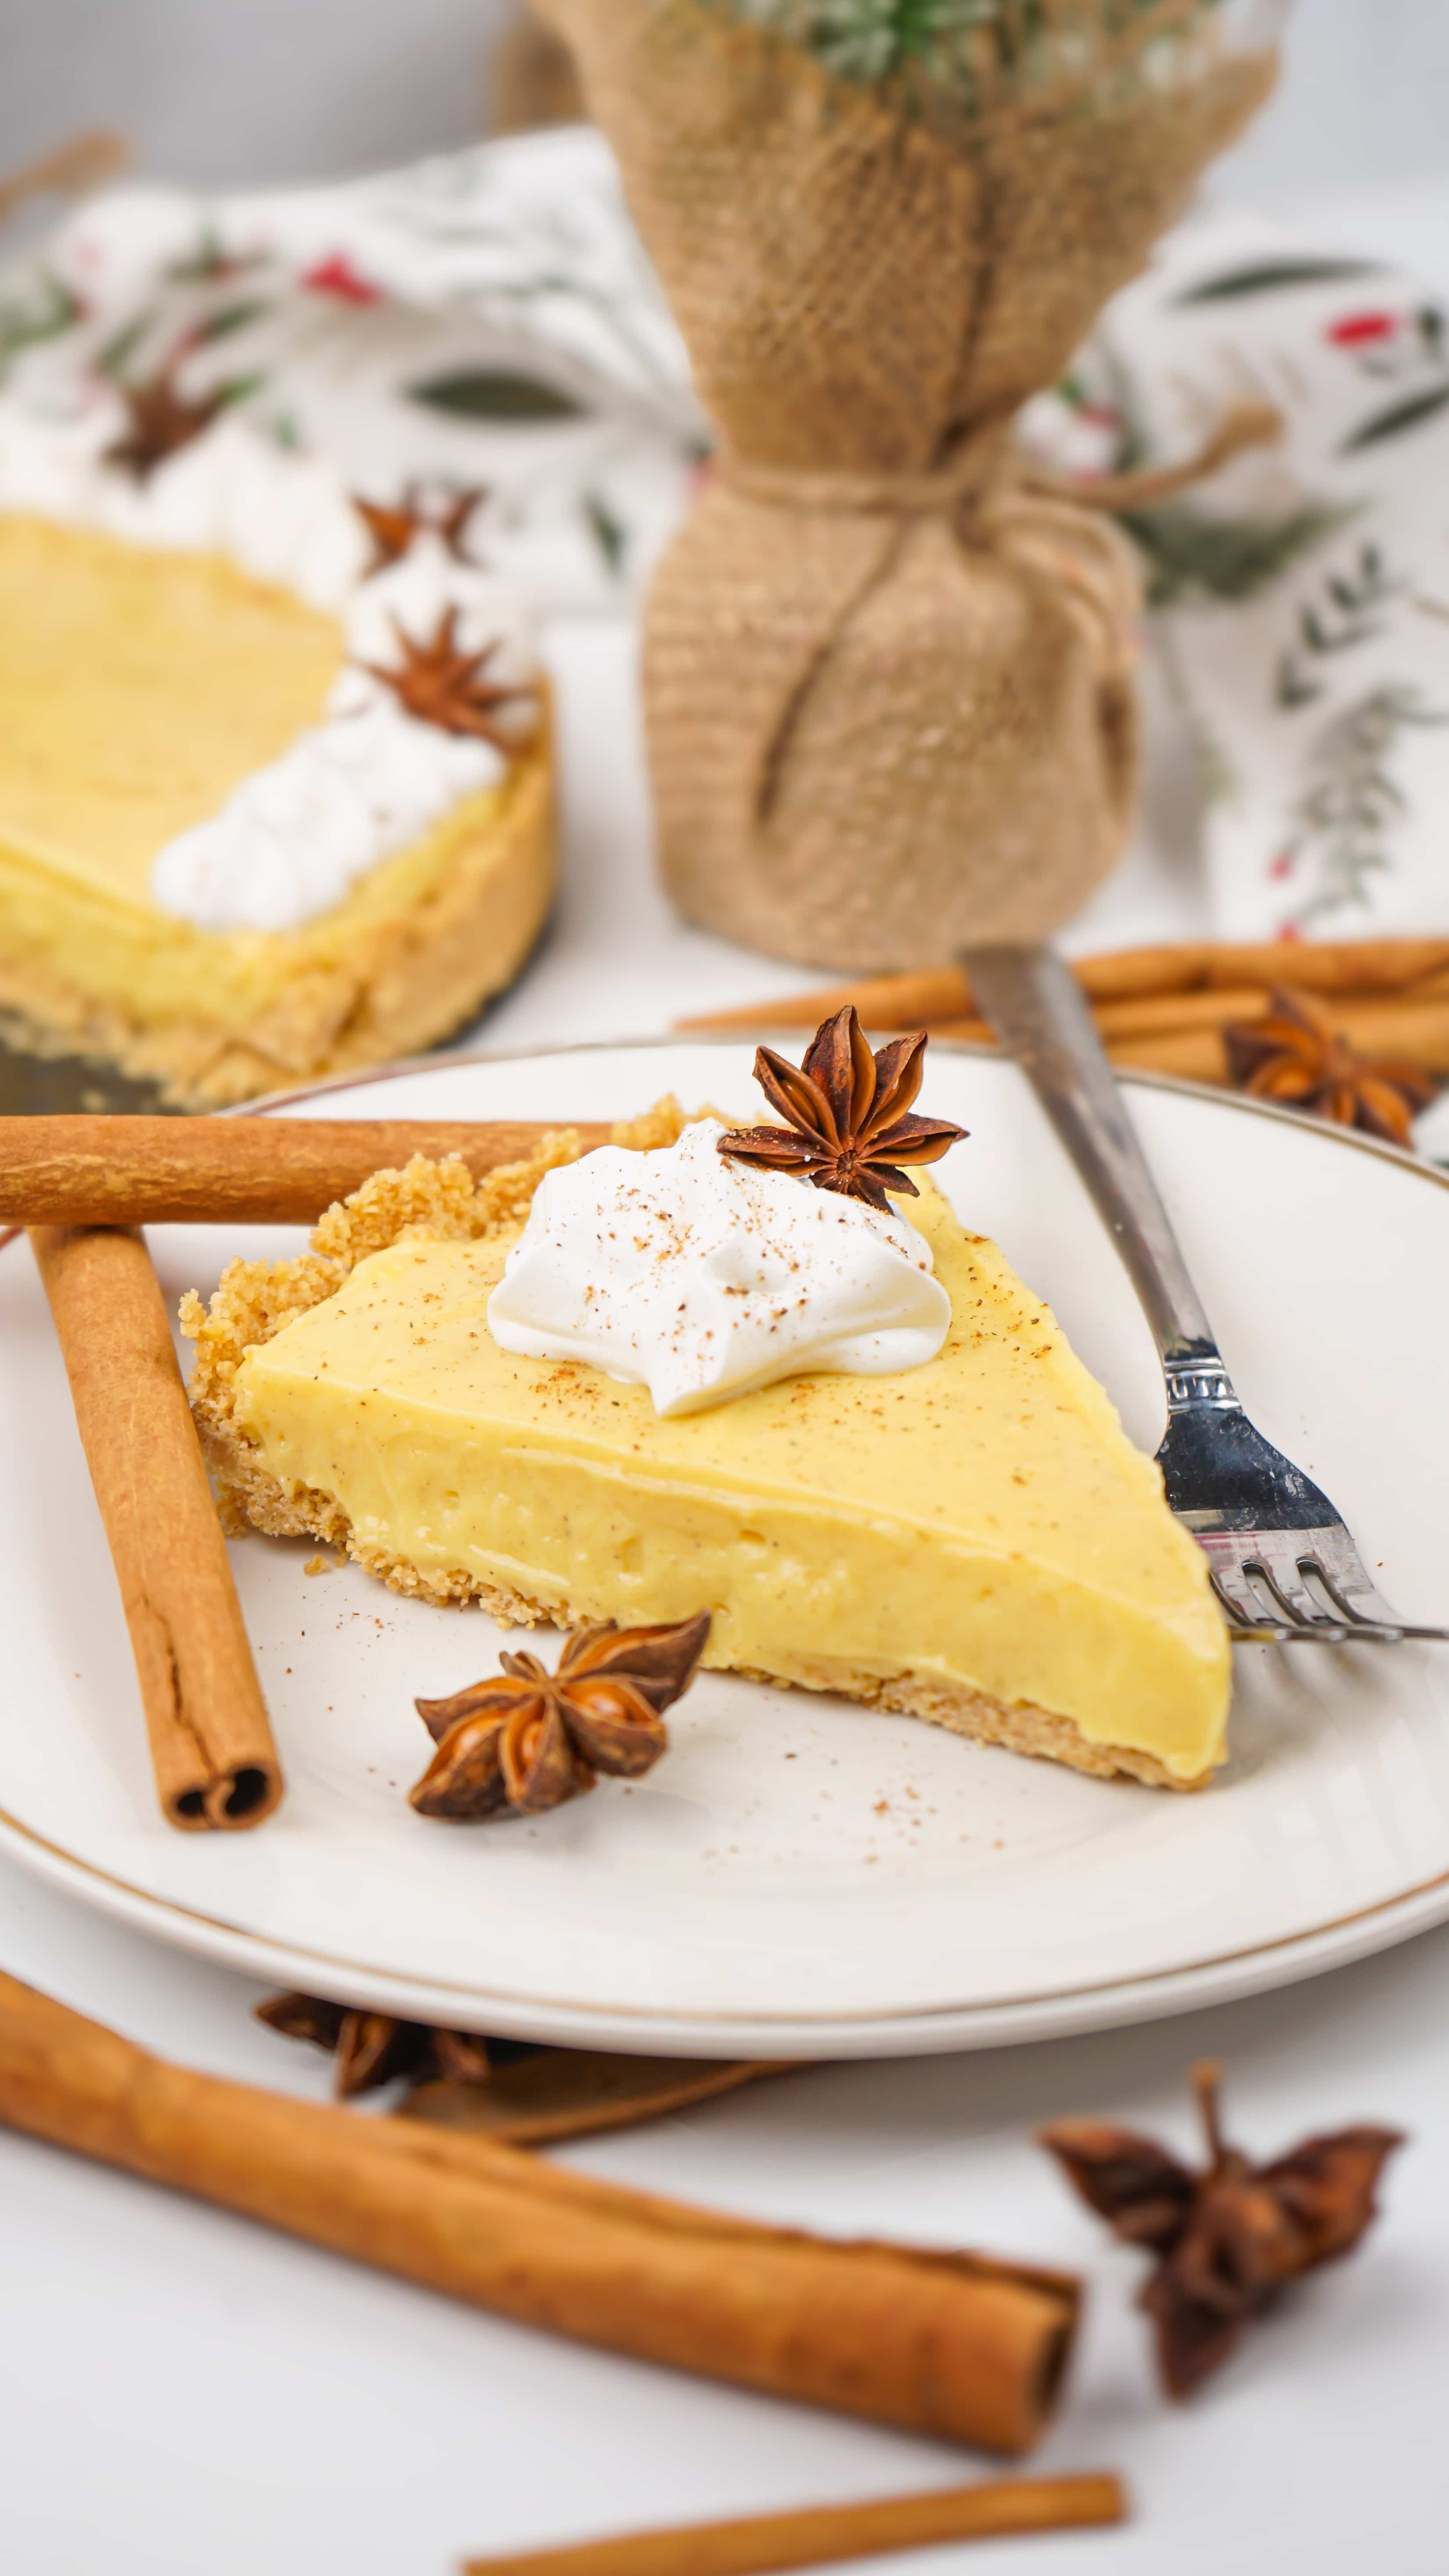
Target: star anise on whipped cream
(1229, 2238)
(1293, 1054)
(443, 684)
(393, 526)
(528, 1739)
(370, 2049)
(159, 420)
(849, 1121)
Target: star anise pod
(372, 2049)
(443, 685)
(1295, 1055)
(527, 1738)
(159, 420)
(1227, 2239)
(393, 526)
(850, 1126)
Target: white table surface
(183, 2392)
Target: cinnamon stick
(1163, 1010)
(938, 994)
(1193, 1055)
(883, 1001)
(1148, 1015)
(1185, 1036)
(1314, 966)
(211, 1744)
(1399, 1025)
(827, 2534)
(952, 2345)
(1192, 1047)
(229, 1171)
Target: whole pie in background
(275, 787)
(276, 470)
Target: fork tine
(1258, 1607)
(1297, 1605)
(1246, 1614)
(1238, 1615)
(1347, 1610)
(1243, 1561)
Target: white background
(230, 93)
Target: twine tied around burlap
(887, 668)
(990, 499)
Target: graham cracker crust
(440, 1200)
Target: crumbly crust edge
(440, 1200)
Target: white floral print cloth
(1301, 596)
(491, 318)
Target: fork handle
(1038, 1011)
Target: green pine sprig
(961, 52)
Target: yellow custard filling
(981, 1521)
(138, 689)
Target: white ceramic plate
(802, 1877)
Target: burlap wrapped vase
(887, 678)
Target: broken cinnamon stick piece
(211, 1744)
(825, 2535)
(953, 2345)
(230, 1171)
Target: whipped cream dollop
(702, 1279)
(293, 838)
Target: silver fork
(1284, 1567)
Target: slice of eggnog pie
(701, 1368)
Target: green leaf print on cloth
(496, 393)
(1393, 423)
(1191, 552)
(1313, 673)
(1270, 276)
(1349, 807)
